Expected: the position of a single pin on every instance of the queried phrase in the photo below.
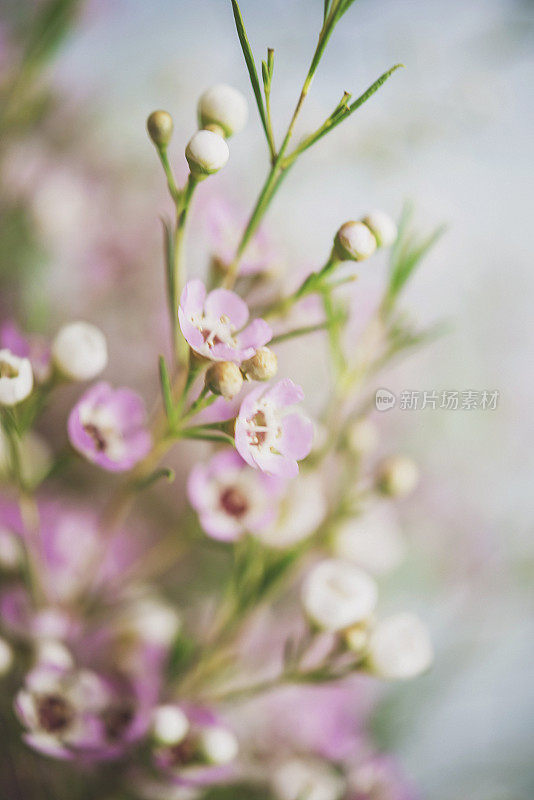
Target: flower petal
(223, 302)
(297, 436)
(285, 393)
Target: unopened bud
(224, 378)
(383, 228)
(223, 107)
(262, 366)
(354, 242)
(397, 476)
(160, 127)
(206, 153)
(16, 378)
(362, 437)
(218, 745)
(169, 724)
(80, 351)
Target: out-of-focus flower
(6, 657)
(204, 755)
(397, 476)
(35, 458)
(362, 437)
(223, 107)
(268, 435)
(35, 348)
(80, 351)
(169, 724)
(224, 378)
(300, 512)
(354, 242)
(160, 127)
(262, 366)
(373, 541)
(337, 594)
(399, 647)
(225, 227)
(61, 709)
(230, 498)
(206, 153)
(307, 778)
(149, 619)
(382, 226)
(108, 427)
(16, 378)
(214, 324)
(379, 778)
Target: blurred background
(81, 197)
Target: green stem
(174, 192)
(181, 346)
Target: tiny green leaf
(249, 60)
(166, 391)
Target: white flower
(337, 594)
(53, 653)
(169, 724)
(218, 744)
(354, 242)
(16, 378)
(397, 476)
(6, 657)
(373, 541)
(383, 228)
(80, 351)
(224, 106)
(206, 153)
(399, 647)
(298, 779)
(301, 512)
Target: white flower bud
(224, 378)
(219, 745)
(224, 106)
(151, 620)
(354, 242)
(362, 437)
(80, 351)
(299, 778)
(160, 127)
(6, 657)
(399, 647)
(337, 594)
(262, 366)
(383, 228)
(53, 653)
(397, 476)
(206, 153)
(169, 725)
(16, 378)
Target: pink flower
(232, 499)
(35, 348)
(108, 427)
(269, 436)
(214, 324)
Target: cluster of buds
(356, 241)
(225, 378)
(340, 598)
(222, 112)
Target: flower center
(264, 429)
(234, 502)
(184, 752)
(116, 720)
(215, 331)
(7, 370)
(54, 713)
(97, 436)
